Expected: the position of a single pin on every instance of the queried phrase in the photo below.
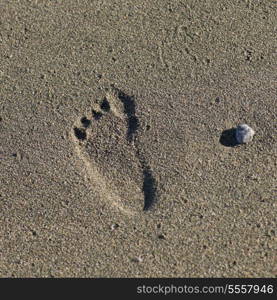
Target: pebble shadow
(228, 138)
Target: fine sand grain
(117, 154)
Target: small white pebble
(244, 134)
(137, 259)
(114, 226)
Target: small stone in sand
(244, 134)
(137, 259)
(114, 226)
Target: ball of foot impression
(244, 134)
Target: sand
(116, 151)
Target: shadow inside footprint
(133, 125)
(130, 111)
(149, 188)
(96, 114)
(228, 138)
(85, 122)
(105, 105)
(80, 133)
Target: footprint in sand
(106, 141)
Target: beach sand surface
(117, 155)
